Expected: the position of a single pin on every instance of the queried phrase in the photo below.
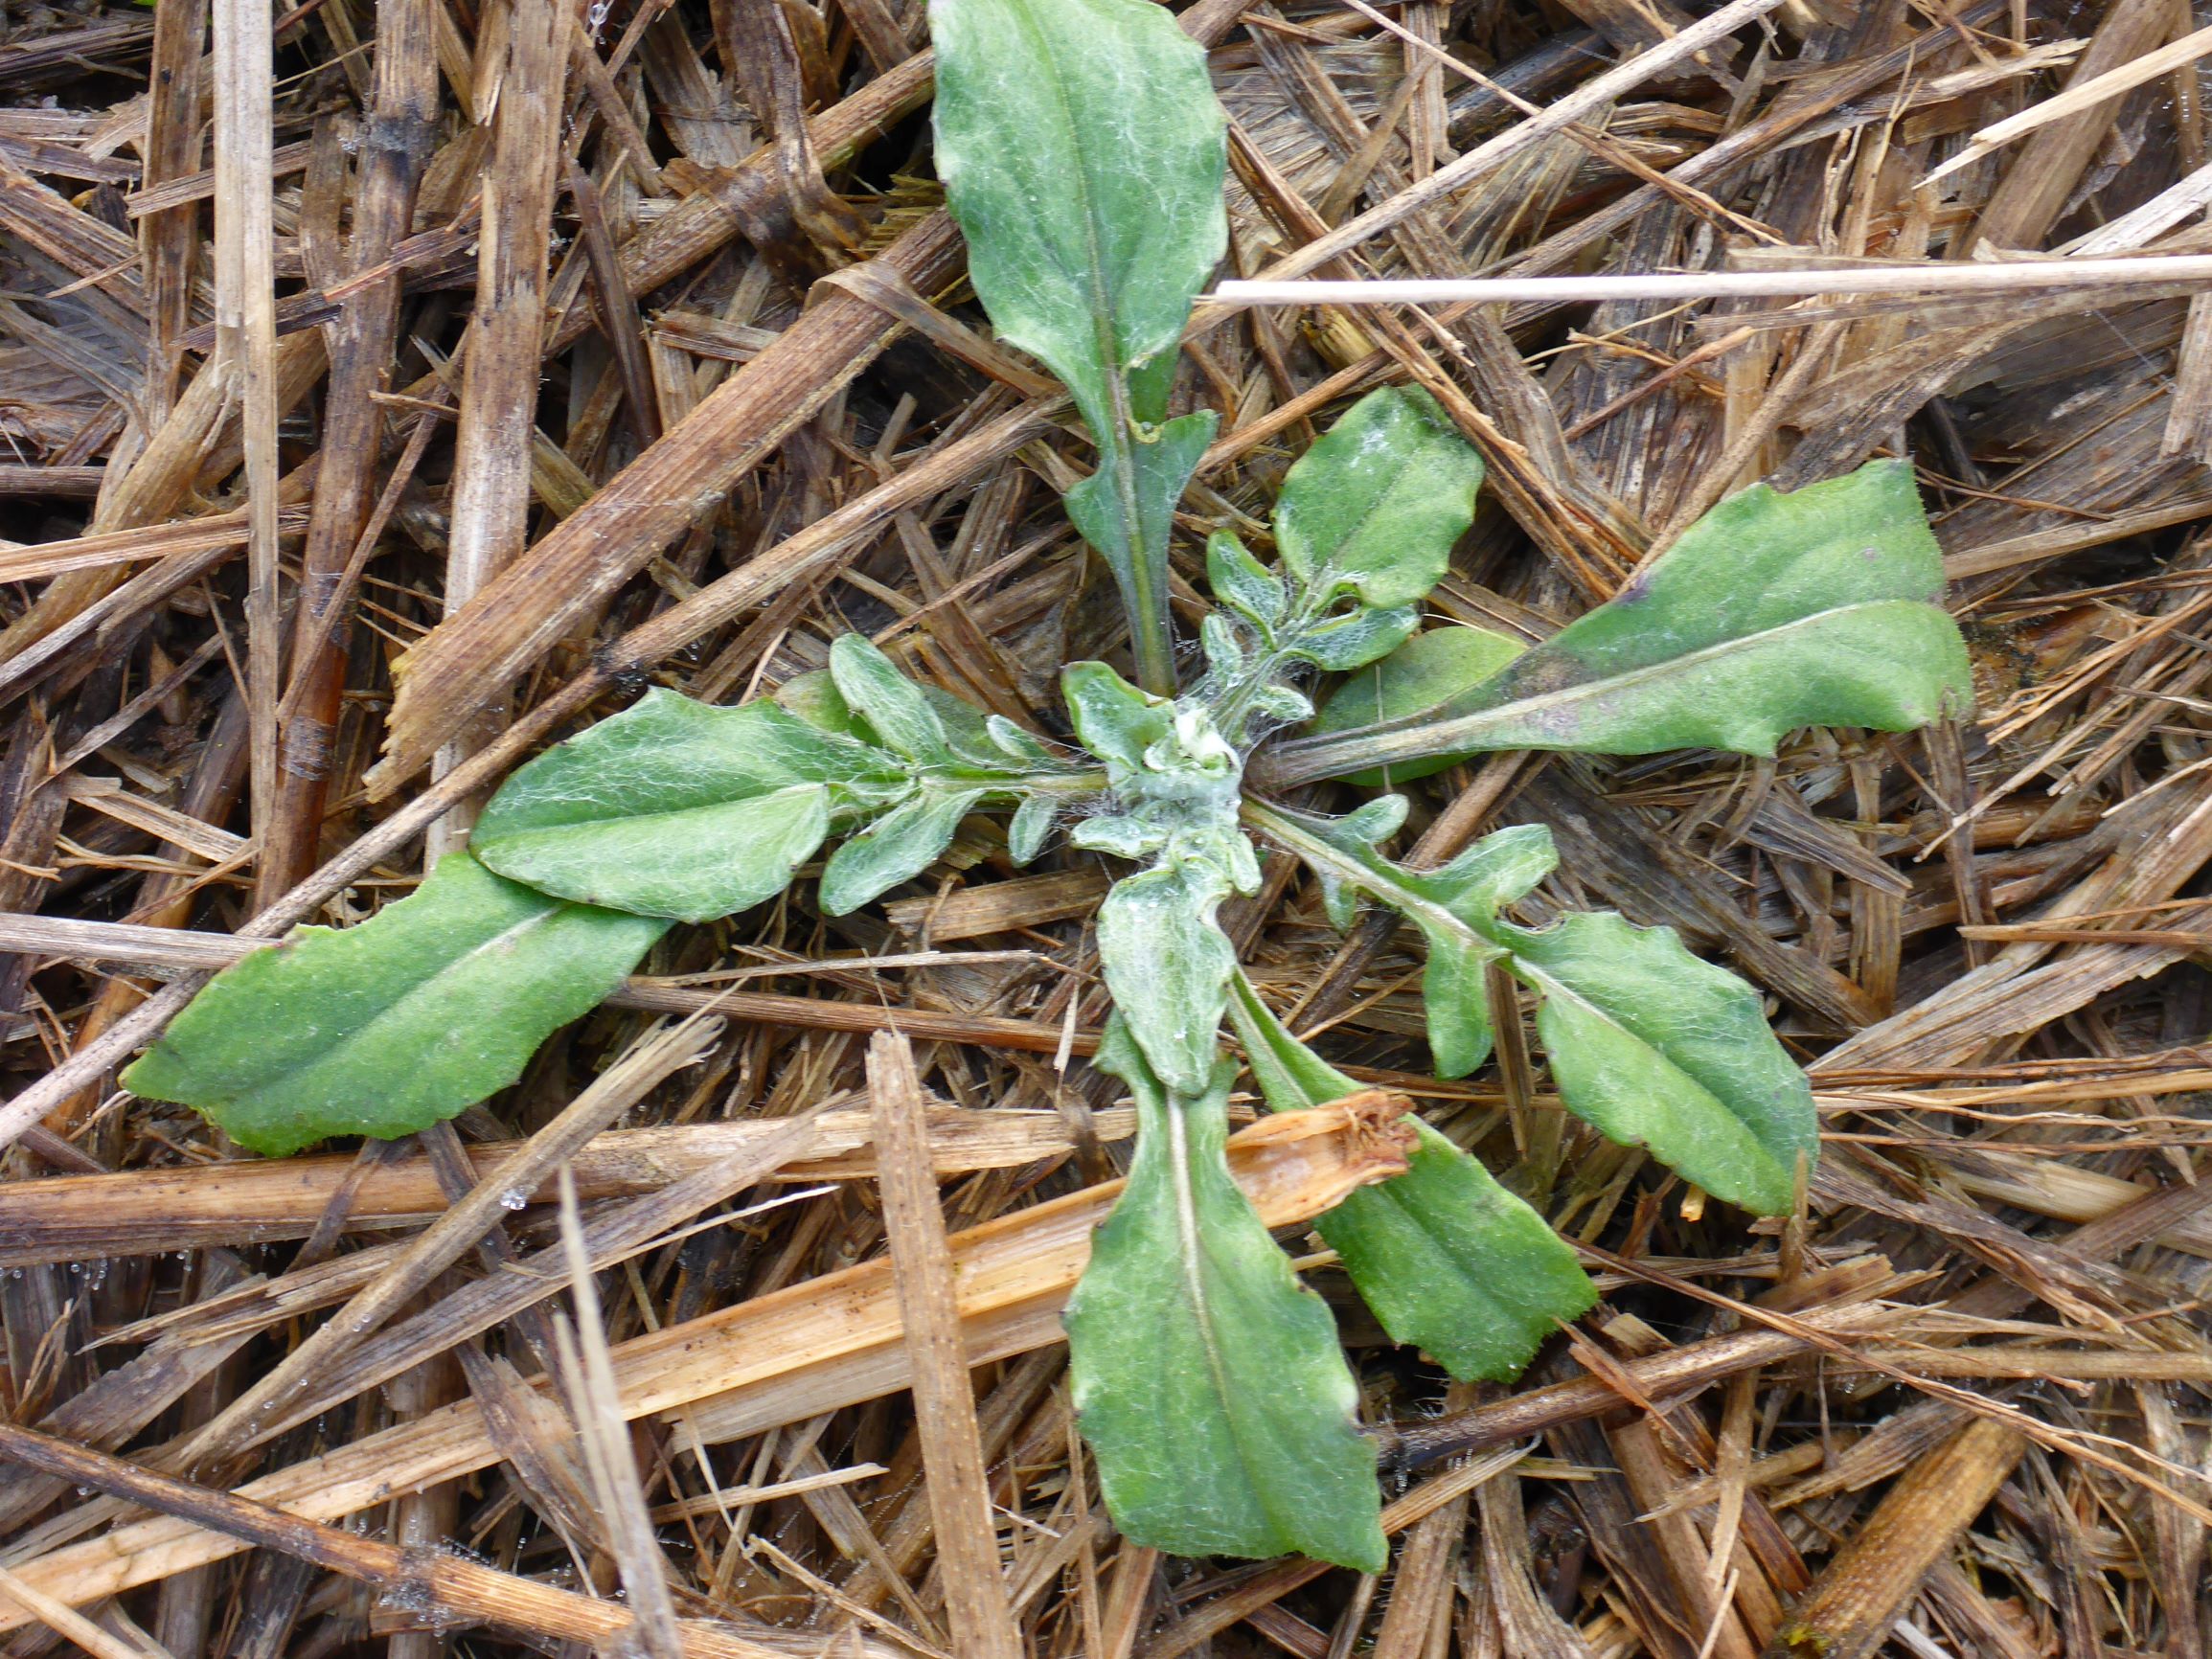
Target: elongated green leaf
(1451, 1261)
(1661, 1049)
(385, 1029)
(897, 846)
(1082, 150)
(1374, 507)
(1646, 1041)
(1168, 966)
(1082, 153)
(677, 809)
(1210, 1385)
(1772, 612)
(988, 751)
(1428, 671)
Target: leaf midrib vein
(1455, 731)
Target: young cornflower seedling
(1083, 151)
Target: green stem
(1151, 636)
(1423, 911)
(1298, 760)
(1293, 836)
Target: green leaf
(1426, 671)
(902, 717)
(1648, 1042)
(1243, 583)
(673, 808)
(1082, 153)
(897, 846)
(384, 1029)
(1658, 1048)
(1118, 835)
(1374, 507)
(1209, 1383)
(1455, 998)
(1168, 965)
(1012, 743)
(1771, 613)
(1082, 150)
(1355, 640)
(813, 698)
(1451, 1261)
(1033, 821)
(1455, 907)
(989, 750)
(1117, 721)
(1126, 510)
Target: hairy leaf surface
(1451, 1261)
(677, 809)
(1168, 965)
(384, 1029)
(1127, 509)
(1083, 151)
(896, 710)
(1210, 1384)
(1374, 507)
(1455, 907)
(1083, 154)
(1772, 612)
(897, 846)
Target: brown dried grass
(316, 533)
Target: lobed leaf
(1455, 908)
(677, 809)
(1451, 1261)
(384, 1029)
(1210, 1384)
(1083, 154)
(1771, 613)
(1648, 1042)
(1127, 509)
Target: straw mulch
(676, 277)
